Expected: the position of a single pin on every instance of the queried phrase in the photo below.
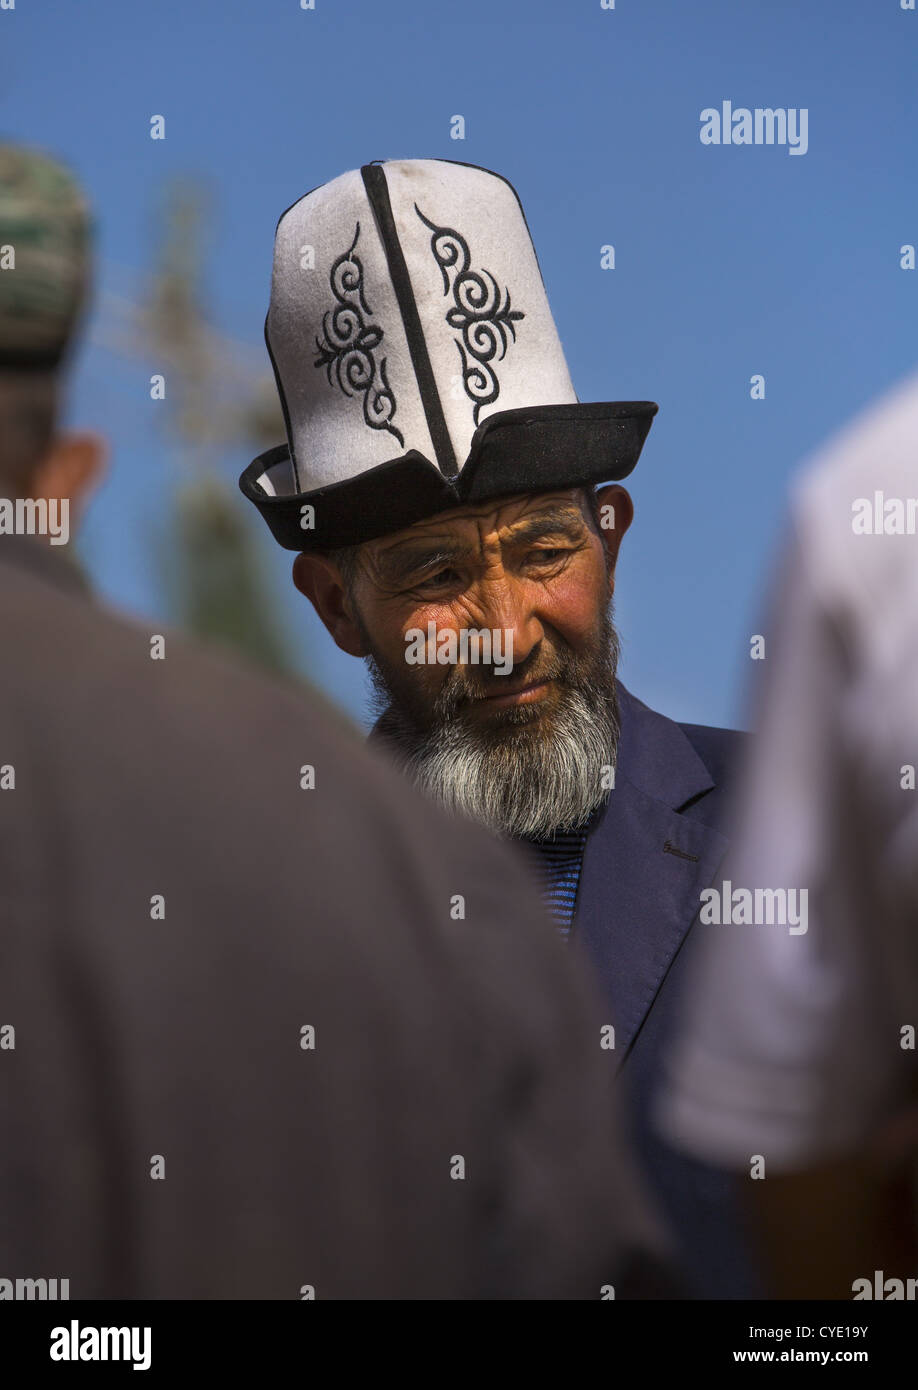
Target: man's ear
(320, 580)
(616, 513)
(72, 468)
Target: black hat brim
(533, 449)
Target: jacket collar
(655, 757)
(644, 865)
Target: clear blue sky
(729, 260)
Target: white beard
(512, 779)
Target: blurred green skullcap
(44, 258)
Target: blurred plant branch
(219, 402)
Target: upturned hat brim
(535, 449)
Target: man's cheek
(415, 672)
(577, 619)
(575, 598)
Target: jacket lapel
(644, 866)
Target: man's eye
(439, 580)
(545, 555)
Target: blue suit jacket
(657, 842)
(653, 847)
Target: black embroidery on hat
(349, 343)
(477, 312)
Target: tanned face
(535, 568)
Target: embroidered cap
(44, 258)
(417, 361)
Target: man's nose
(507, 607)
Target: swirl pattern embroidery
(482, 320)
(347, 348)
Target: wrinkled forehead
(488, 518)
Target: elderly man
(439, 486)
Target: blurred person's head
(44, 278)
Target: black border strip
(277, 376)
(374, 181)
(529, 449)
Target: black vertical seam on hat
(374, 180)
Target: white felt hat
(417, 360)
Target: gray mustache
(462, 687)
